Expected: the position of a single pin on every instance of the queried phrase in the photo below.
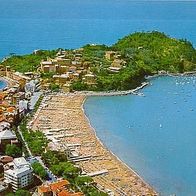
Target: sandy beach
(61, 117)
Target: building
(109, 55)
(114, 69)
(19, 174)
(4, 125)
(3, 188)
(89, 79)
(6, 159)
(7, 137)
(61, 79)
(118, 63)
(47, 66)
(60, 188)
(57, 65)
(53, 188)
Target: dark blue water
(155, 134)
(26, 25)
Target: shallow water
(155, 134)
(3, 84)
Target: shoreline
(111, 153)
(135, 90)
(65, 112)
(113, 93)
(6, 81)
(9, 82)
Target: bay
(154, 134)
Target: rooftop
(58, 185)
(6, 159)
(21, 167)
(7, 134)
(19, 172)
(20, 162)
(44, 189)
(46, 62)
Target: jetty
(114, 93)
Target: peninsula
(122, 66)
(56, 136)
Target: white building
(30, 86)
(23, 105)
(19, 174)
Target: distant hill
(141, 53)
(158, 52)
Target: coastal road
(25, 143)
(50, 174)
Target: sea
(154, 134)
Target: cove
(3, 84)
(154, 134)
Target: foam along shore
(63, 115)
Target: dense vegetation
(29, 62)
(145, 53)
(39, 170)
(36, 140)
(155, 51)
(13, 150)
(19, 192)
(57, 162)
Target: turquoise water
(155, 134)
(26, 25)
(3, 84)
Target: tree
(22, 192)
(13, 150)
(83, 180)
(54, 87)
(66, 169)
(19, 192)
(39, 170)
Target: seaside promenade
(62, 119)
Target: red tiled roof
(44, 189)
(6, 159)
(2, 118)
(64, 193)
(77, 194)
(58, 185)
(11, 109)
